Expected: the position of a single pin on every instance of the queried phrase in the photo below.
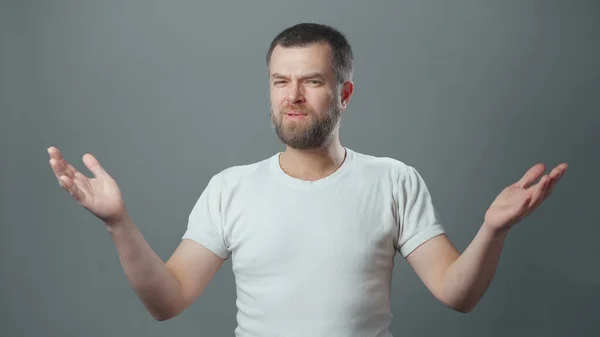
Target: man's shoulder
(233, 175)
(397, 172)
(380, 164)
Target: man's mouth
(295, 114)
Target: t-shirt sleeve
(419, 220)
(205, 225)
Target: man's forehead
(301, 61)
(315, 52)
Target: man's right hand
(166, 289)
(100, 195)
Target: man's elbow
(462, 305)
(161, 318)
(164, 315)
(464, 308)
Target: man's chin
(304, 144)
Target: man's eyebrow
(277, 75)
(309, 75)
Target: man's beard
(304, 135)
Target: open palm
(521, 198)
(100, 195)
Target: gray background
(166, 94)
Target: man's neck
(313, 164)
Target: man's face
(305, 100)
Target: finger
(531, 176)
(553, 178)
(66, 168)
(94, 166)
(70, 186)
(540, 192)
(85, 181)
(563, 168)
(57, 168)
(55, 153)
(560, 171)
(551, 185)
(71, 170)
(59, 164)
(84, 187)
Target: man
(312, 231)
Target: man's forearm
(467, 279)
(157, 287)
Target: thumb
(94, 166)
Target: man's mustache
(304, 110)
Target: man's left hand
(521, 198)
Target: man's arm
(460, 280)
(165, 289)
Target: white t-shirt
(314, 258)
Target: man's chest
(346, 230)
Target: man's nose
(295, 94)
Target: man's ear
(347, 90)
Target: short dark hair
(303, 34)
